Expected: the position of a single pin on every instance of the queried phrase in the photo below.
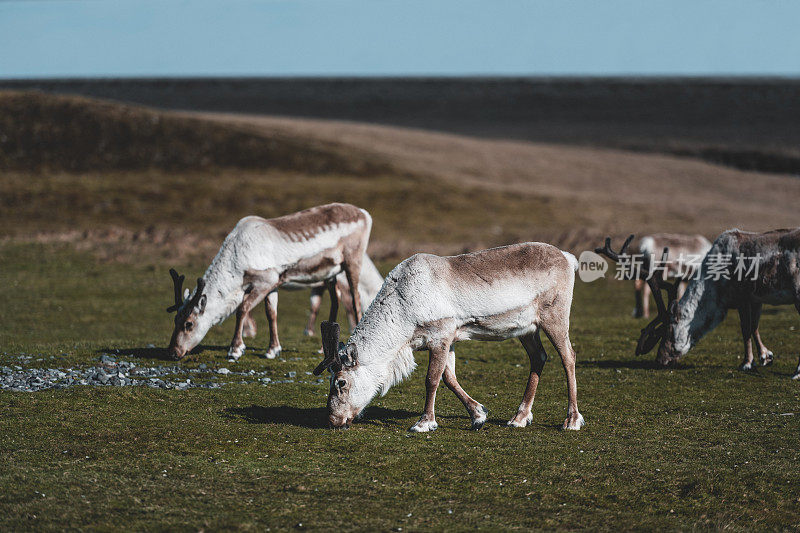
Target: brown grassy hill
(426, 191)
(598, 188)
(39, 131)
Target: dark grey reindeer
(680, 324)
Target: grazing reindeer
(430, 302)
(681, 247)
(681, 324)
(259, 256)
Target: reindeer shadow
(141, 353)
(293, 416)
(157, 353)
(633, 364)
(316, 418)
(383, 415)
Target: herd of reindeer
(429, 302)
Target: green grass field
(701, 446)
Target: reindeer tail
(571, 260)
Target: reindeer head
(189, 324)
(661, 328)
(342, 361)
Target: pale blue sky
(49, 38)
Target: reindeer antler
(330, 345)
(657, 328)
(198, 292)
(607, 251)
(177, 281)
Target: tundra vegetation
(700, 445)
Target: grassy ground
(701, 446)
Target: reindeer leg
(436, 366)
(237, 344)
(344, 295)
(257, 284)
(274, 349)
(533, 346)
(764, 354)
(331, 285)
(638, 290)
(477, 411)
(316, 303)
(249, 326)
(352, 269)
(746, 323)
(237, 347)
(559, 336)
(646, 300)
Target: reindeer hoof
(308, 333)
(272, 353)
(796, 375)
(746, 367)
(767, 359)
(574, 423)
(235, 352)
(480, 418)
(423, 426)
(516, 423)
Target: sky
(107, 38)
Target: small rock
(291, 374)
(224, 371)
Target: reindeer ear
(201, 305)
(185, 293)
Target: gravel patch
(110, 372)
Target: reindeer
(259, 256)
(681, 248)
(775, 260)
(430, 302)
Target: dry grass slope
(73, 168)
(612, 190)
(40, 132)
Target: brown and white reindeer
(681, 249)
(429, 302)
(772, 277)
(259, 256)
